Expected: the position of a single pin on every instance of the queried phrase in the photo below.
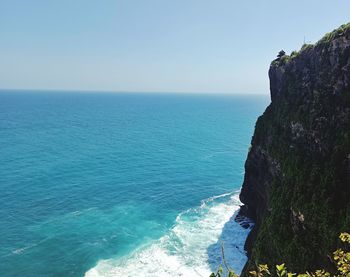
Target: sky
(155, 45)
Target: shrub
(341, 260)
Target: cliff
(297, 173)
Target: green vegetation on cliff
(297, 180)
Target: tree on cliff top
(281, 54)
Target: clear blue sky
(155, 45)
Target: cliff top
(325, 40)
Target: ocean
(122, 184)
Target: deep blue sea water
(103, 184)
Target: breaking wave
(192, 247)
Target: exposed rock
(297, 221)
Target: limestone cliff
(297, 173)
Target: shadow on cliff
(232, 240)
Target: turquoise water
(102, 184)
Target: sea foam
(192, 247)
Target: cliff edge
(297, 173)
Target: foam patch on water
(192, 247)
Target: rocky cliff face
(297, 174)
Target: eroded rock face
(296, 185)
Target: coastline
(192, 247)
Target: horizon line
(129, 91)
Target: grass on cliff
(327, 38)
(334, 34)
